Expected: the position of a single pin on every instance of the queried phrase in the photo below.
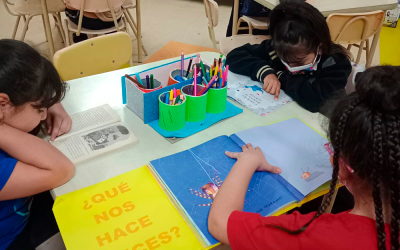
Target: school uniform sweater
(310, 89)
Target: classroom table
(92, 91)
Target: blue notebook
(192, 178)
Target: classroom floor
(162, 21)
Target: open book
(192, 178)
(250, 94)
(94, 132)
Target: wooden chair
(229, 43)
(212, 14)
(356, 29)
(27, 9)
(94, 56)
(261, 23)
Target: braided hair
(366, 121)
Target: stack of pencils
(136, 79)
(174, 97)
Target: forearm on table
(30, 149)
(230, 197)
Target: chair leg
(367, 50)
(58, 24)
(67, 34)
(212, 35)
(360, 50)
(44, 27)
(133, 25)
(16, 27)
(25, 27)
(349, 46)
(139, 30)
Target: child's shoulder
(336, 60)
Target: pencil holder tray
(156, 85)
(196, 106)
(216, 100)
(171, 117)
(174, 73)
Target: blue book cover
(193, 177)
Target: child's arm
(230, 196)
(40, 166)
(311, 95)
(252, 60)
(58, 122)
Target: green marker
(151, 81)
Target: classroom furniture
(93, 91)
(212, 14)
(261, 23)
(94, 56)
(230, 43)
(174, 49)
(135, 26)
(356, 29)
(27, 9)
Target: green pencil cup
(171, 117)
(196, 106)
(216, 100)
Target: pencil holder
(196, 106)
(174, 73)
(216, 100)
(156, 85)
(171, 117)
(206, 69)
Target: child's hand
(272, 85)
(255, 157)
(58, 121)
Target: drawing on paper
(105, 137)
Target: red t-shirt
(329, 231)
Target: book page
(87, 145)
(250, 94)
(91, 119)
(297, 149)
(193, 177)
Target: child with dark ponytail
(364, 130)
(300, 58)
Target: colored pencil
(174, 93)
(216, 70)
(198, 58)
(195, 82)
(171, 95)
(202, 68)
(220, 59)
(178, 92)
(166, 98)
(138, 78)
(182, 62)
(208, 86)
(151, 81)
(204, 81)
(190, 64)
(135, 81)
(177, 100)
(224, 62)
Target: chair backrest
(355, 27)
(212, 12)
(94, 6)
(93, 56)
(227, 44)
(6, 3)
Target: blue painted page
(297, 149)
(194, 176)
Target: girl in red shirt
(364, 131)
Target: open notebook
(94, 132)
(192, 178)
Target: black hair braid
(393, 146)
(335, 172)
(376, 180)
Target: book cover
(129, 211)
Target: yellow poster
(127, 212)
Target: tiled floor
(163, 21)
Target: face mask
(309, 67)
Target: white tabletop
(327, 7)
(93, 91)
